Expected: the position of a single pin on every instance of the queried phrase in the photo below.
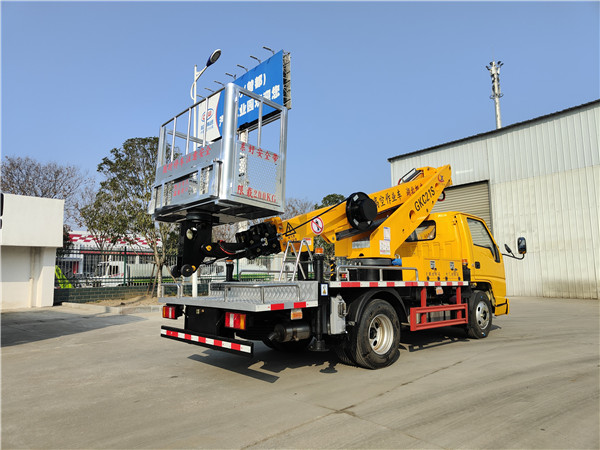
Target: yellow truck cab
(454, 246)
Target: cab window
(424, 232)
(481, 237)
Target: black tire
(344, 354)
(376, 337)
(480, 315)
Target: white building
(30, 232)
(539, 179)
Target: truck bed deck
(254, 297)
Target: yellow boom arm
(372, 226)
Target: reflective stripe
(291, 305)
(208, 341)
(362, 284)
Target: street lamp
(214, 56)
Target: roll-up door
(471, 198)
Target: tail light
(235, 320)
(171, 312)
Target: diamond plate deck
(251, 296)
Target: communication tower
(494, 69)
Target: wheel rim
(381, 334)
(482, 315)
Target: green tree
(331, 200)
(98, 218)
(328, 200)
(129, 174)
(67, 243)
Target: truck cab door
(487, 265)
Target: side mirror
(522, 246)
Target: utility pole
(494, 70)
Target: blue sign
(266, 80)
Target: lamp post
(214, 56)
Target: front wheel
(480, 315)
(376, 337)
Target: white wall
(30, 234)
(27, 276)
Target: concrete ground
(81, 379)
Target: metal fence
(81, 268)
(95, 268)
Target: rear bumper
(229, 345)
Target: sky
(370, 80)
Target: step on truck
(397, 265)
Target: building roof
(86, 238)
(492, 132)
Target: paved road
(84, 380)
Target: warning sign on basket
(316, 225)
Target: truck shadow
(421, 340)
(266, 362)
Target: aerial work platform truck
(397, 265)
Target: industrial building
(539, 179)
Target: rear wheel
(480, 315)
(376, 337)
(343, 352)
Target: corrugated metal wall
(544, 179)
(471, 198)
(469, 161)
